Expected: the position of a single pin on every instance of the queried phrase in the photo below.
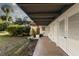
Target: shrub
(3, 25)
(3, 17)
(17, 30)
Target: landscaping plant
(17, 30)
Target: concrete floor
(45, 47)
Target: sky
(18, 12)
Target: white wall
(70, 46)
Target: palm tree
(7, 10)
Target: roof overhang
(44, 13)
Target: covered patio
(39, 29)
(43, 15)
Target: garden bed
(28, 49)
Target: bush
(3, 25)
(17, 30)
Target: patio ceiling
(44, 13)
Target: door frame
(65, 33)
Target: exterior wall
(41, 30)
(70, 46)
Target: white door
(73, 34)
(62, 41)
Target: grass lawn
(4, 33)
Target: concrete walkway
(45, 47)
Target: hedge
(3, 25)
(17, 30)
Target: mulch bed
(29, 49)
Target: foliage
(3, 17)
(16, 30)
(21, 21)
(3, 25)
(7, 9)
